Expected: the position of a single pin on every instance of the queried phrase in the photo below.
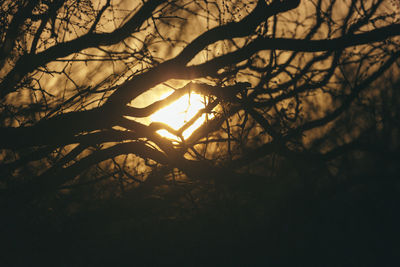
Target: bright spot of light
(179, 113)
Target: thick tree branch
(299, 45)
(28, 63)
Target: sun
(179, 113)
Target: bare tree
(279, 78)
(300, 101)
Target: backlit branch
(267, 72)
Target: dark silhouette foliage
(295, 164)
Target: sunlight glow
(180, 112)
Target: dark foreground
(356, 224)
